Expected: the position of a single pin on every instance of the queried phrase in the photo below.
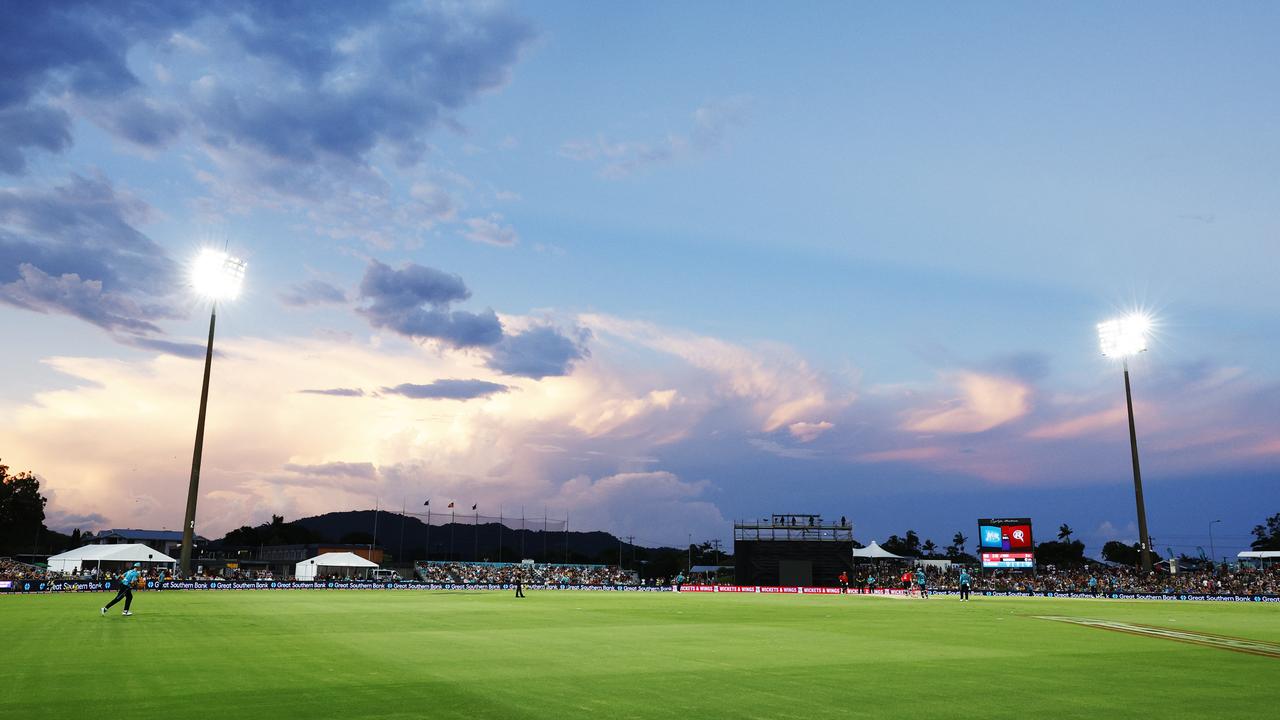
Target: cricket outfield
(365, 654)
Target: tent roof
(875, 552)
(339, 559)
(114, 553)
(1259, 554)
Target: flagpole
(475, 534)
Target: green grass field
(356, 654)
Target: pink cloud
(1083, 425)
(808, 431)
(985, 402)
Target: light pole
(215, 276)
(1121, 338)
(1211, 553)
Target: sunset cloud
(983, 402)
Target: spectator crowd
(527, 573)
(1107, 580)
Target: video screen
(1005, 543)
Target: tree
(1064, 532)
(21, 509)
(1268, 535)
(929, 548)
(1117, 552)
(1060, 554)
(908, 546)
(956, 548)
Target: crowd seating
(1243, 581)
(529, 574)
(13, 570)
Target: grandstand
(790, 549)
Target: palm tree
(1064, 532)
(928, 548)
(957, 544)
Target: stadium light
(1121, 338)
(215, 276)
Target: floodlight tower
(1121, 338)
(215, 276)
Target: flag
(426, 503)
(473, 507)
(450, 504)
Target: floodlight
(217, 275)
(1121, 337)
(1124, 336)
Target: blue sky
(656, 267)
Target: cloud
(346, 78)
(350, 77)
(313, 292)
(902, 455)
(336, 469)
(985, 402)
(448, 390)
(45, 128)
(539, 352)
(658, 506)
(78, 50)
(414, 301)
(619, 159)
(74, 249)
(65, 522)
(1090, 423)
(778, 387)
(775, 448)
(489, 231)
(808, 432)
(336, 392)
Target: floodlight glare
(217, 275)
(1124, 336)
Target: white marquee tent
(875, 552)
(1263, 558)
(325, 564)
(94, 555)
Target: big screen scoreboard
(1006, 543)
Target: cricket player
(965, 581)
(920, 582)
(126, 590)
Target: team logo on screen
(1019, 536)
(991, 536)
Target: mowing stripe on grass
(1243, 645)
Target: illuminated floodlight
(1124, 336)
(217, 275)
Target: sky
(652, 268)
